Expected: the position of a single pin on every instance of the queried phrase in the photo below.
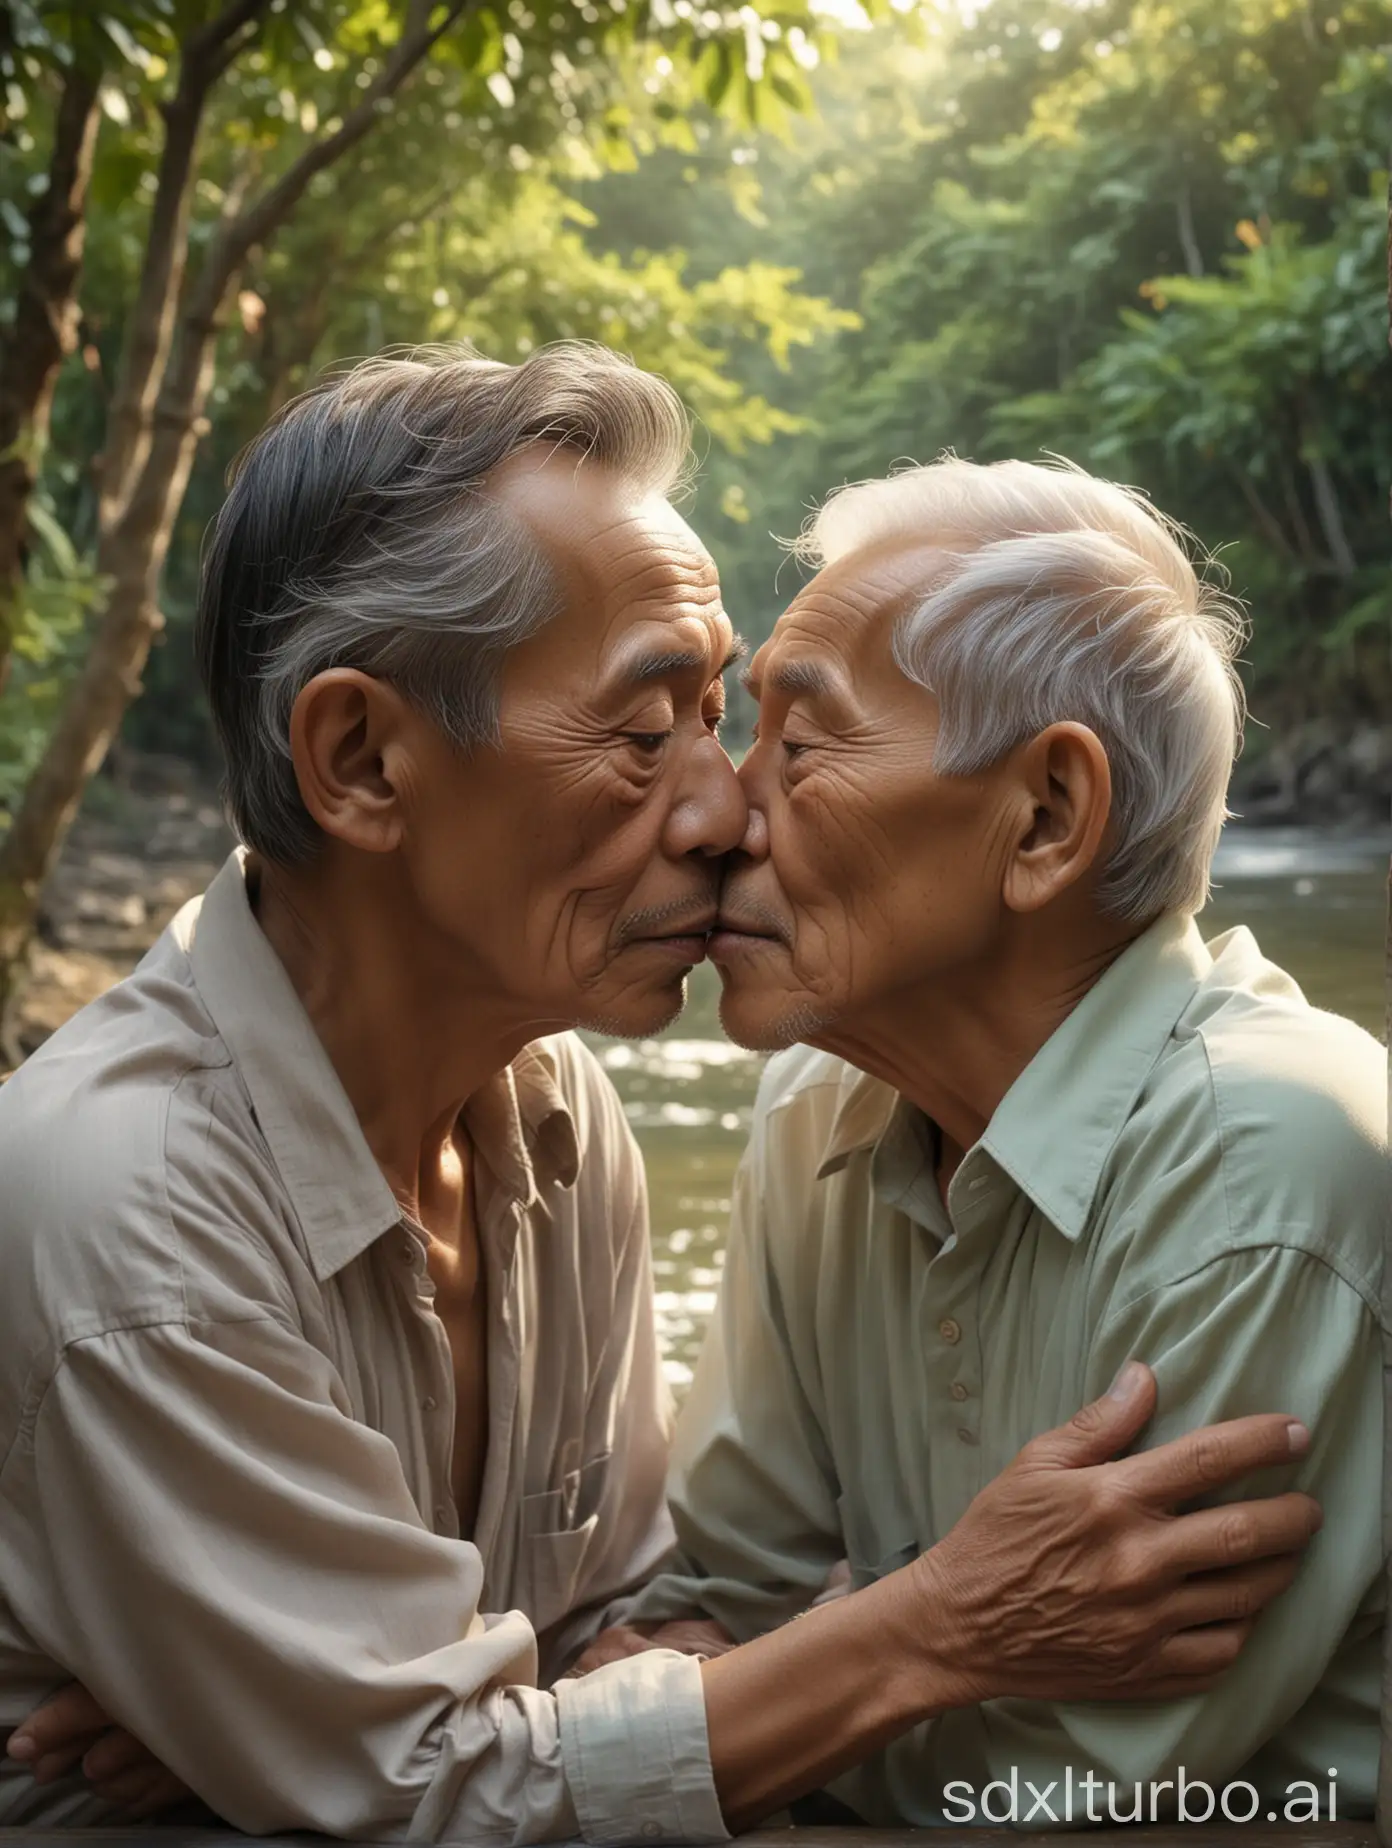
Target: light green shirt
(1191, 1172)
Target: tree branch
(44, 330)
(46, 315)
(207, 47)
(275, 205)
(1188, 239)
(204, 58)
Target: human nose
(711, 815)
(753, 844)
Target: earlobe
(343, 736)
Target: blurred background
(1149, 235)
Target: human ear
(1065, 788)
(348, 748)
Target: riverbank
(1314, 774)
(137, 853)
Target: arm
(1290, 1332)
(314, 1720)
(235, 1570)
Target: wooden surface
(1164, 1835)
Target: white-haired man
(1037, 1126)
(330, 1419)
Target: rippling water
(1316, 902)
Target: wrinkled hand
(1070, 1577)
(688, 1635)
(70, 1728)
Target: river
(1316, 902)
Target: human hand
(71, 1728)
(1072, 1577)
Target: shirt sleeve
(752, 1490)
(1254, 1331)
(236, 1570)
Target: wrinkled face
(862, 874)
(579, 863)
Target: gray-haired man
(1037, 1126)
(325, 1322)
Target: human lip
(686, 943)
(730, 937)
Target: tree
(320, 79)
(65, 74)
(1137, 232)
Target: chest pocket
(863, 1552)
(558, 1529)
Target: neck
(955, 1043)
(412, 1028)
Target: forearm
(791, 1710)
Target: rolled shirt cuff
(636, 1752)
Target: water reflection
(1316, 902)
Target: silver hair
(1062, 597)
(359, 531)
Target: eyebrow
(658, 666)
(793, 678)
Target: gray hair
(359, 532)
(1063, 597)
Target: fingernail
(20, 1746)
(1127, 1380)
(1299, 1438)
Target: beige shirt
(226, 1416)
(1192, 1172)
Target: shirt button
(428, 1404)
(964, 1436)
(408, 1252)
(442, 1516)
(958, 1391)
(950, 1331)
(651, 1830)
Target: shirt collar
(863, 1114)
(1060, 1120)
(519, 1121)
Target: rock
(1318, 771)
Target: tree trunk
(1331, 519)
(131, 556)
(203, 59)
(133, 546)
(1188, 237)
(44, 330)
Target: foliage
(454, 218)
(1149, 234)
(60, 592)
(1145, 233)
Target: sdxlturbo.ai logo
(1193, 1800)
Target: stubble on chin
(643, 1021)
(797, 1025)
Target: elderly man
(1037, 1126)
(325, 1320)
